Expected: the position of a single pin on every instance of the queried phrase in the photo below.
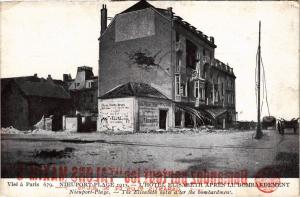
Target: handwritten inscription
(116, 115)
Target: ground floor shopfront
(135, 114)
(138, 107)
(138, 114)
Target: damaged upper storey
(155, 43)
(177, 20)
(167, 13)
(203, 44)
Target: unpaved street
(218, 151)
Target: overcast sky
(57, 37)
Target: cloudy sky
(55, 37)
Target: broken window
(202, 93)
(177, 85)
(191, 54)
(217, 96)
(196, 89)
(183, 88)
(222, 89)
(205, 70)
(177, 37)
(178, 62)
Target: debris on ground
(208, 129)
(12, 130)
(54, 153)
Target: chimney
(170, 11)
(103, 18)
(212, 39)
(49, 77)
(65, 77)
(35, 75)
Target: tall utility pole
(259, 133)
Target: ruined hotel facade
(157, 71)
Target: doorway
(189, 123)
(178, 118)
(163, 119)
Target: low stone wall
(70, 123)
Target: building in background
(67, 81)
(84, 91)
(33, 102)
(153, 46)
(84, 79)
(27, 100)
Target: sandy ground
(229, 151)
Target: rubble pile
(12, 130)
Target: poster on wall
(88, 64)
(116, 115)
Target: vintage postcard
(150, 98)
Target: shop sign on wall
(149, 114)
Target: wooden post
(258, 129)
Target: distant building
(67, 81)
(84, 91)
(25, 100)
(85, 79)
(153, 46)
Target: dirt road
(233, 151)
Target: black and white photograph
(152, 89)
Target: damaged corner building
(156, 71)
